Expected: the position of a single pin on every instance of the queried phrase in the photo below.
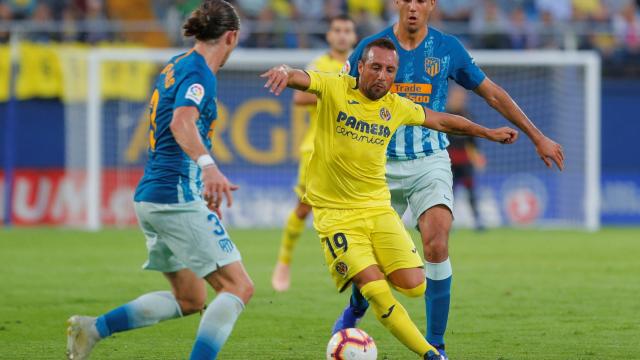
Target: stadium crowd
(610, 26)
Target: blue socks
(437, 299)
(146, 310)
(358, 303)
(216, 325)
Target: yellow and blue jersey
(170, 176)
(423, 77)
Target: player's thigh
(396, 173)
(189, 290)
(232, 278)
(159, 255)
(392, 245)
(197, 237)
(432, 185)
(345, 242)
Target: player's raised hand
(215, 186)
(277, 79)
(550, 152)
(504, 135)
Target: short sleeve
(319, 82)
(413, 114)
(192, 91)
(464, 71)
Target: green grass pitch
(517, 294)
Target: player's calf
(235, 289)
(395, 318)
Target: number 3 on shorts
(219, 230)
(340, 242)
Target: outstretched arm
(458, 125)
(549, 151)
(280, 77)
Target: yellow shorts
(354, 239)
(299, 189)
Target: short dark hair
(340, 17)
(211, 19)
(383, 43)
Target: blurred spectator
(609, 26)
(309, 14)
(41, 15)
(252, 8)
(521, 31)
(584, 10)
(5, 16)
(626, 27)
(455, 10)
(22, 9)
(490, 25)
(558, 10)
(550, 31)
(367, 14)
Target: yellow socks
(394, 317)
(292, 231)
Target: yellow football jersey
(347, 167)
(323, 63)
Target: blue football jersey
(170, 176)
(423, 76)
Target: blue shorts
(420, 184)
(185, 236)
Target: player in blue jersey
(178, 201)
(418, 167)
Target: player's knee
(303, 210)
(408, 281)
(415, 291)
(242, 288)
(435, 241)
(191, 305)
(437, 247)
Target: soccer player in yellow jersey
(363, 238)
(341, 38)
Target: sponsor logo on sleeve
(195, 93)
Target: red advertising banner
(59, 197)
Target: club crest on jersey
(342, 268)
(195, 93)
(432, 66)
(346, 69)
(385, 114)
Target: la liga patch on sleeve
(195, 93)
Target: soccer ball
(351, 344)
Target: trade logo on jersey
(432, 66)
(195, 93)
(385, 114)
